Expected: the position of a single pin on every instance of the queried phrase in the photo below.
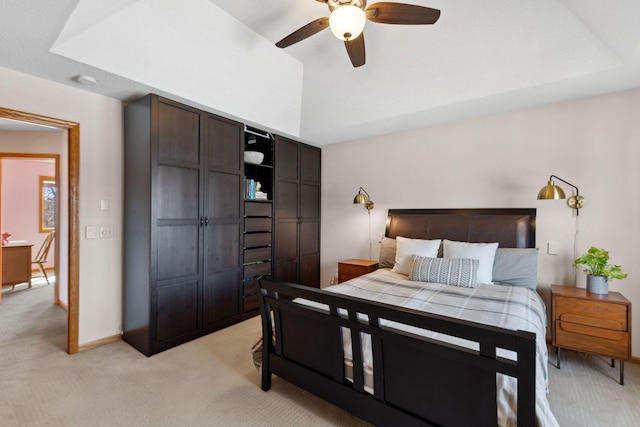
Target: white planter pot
(597, 284)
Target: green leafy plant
(596, 261)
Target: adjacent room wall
(101, 177)
(20, 200)
(501, 162)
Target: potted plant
(598, 270)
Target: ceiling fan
(348, 18)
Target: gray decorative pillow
(387, 253)
(516, 266)
(448, 271)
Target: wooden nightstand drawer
(589, 339)
(594, 313)
(353, 268)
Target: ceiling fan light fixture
(347, 22)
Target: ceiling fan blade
(355, 49)
(302, 33)
(400, 13)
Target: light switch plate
(553, 248)
(104, 204)
(106, 232)
(90, 232)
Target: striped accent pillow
(461, 272)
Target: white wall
(101, 177)
(501, 162)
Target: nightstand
(591, 323)
(355, 267)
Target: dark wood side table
(591, 323)
(351, 268)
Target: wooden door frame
(73, 136)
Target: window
(47, 204)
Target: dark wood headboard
(511, 228)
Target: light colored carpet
(212, 382)
(207, 382)
(585, 391)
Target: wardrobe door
(222, 222)
(297, 212)
(176, 238)
(309, 229)
(286, 208)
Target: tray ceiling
(480, 58)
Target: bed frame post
(526, 378)
(267, 344)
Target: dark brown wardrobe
(183, 223)
(192, 238)
(297, 212)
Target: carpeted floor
(585, 391)
(212, 382)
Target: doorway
(73, 147)
(31, 210)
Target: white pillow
(405, 248)
(483, 252)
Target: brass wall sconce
(362, 198)
(552, 191)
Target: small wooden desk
(16, 264)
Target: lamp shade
(360, 199)
(551, 191)
(347, 22)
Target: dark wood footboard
(416, 380)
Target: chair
(43, 252)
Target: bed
(400, 349)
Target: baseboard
(100, 342)
(48, 269)
(63, 305)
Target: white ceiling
(480, 58)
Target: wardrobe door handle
(201, 222)
(206, 222)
